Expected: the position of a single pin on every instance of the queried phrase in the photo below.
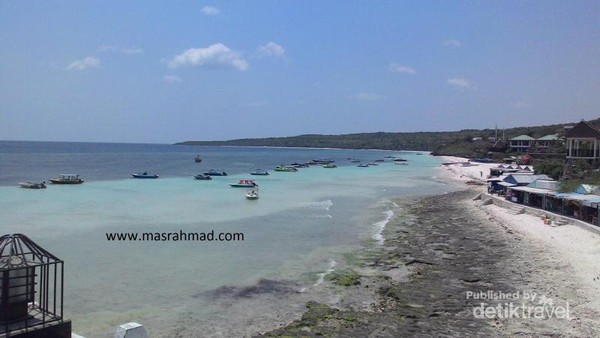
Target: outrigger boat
(144, 175)
(244, 184)
(31, 185)
(67, 179)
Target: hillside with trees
(466, 143)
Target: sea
(304, 226)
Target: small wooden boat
(252, 194)
(144, 175)
(32, 185)
(259, 172)
(244, 184)
(67, 179)
(329, 165)
(202, 177)
(363, 165)
(213, 172)
(283, 168)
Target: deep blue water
(40, 161)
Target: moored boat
(285, 168)
(329, 165)
(197, 159)
(260, 172)
(213, 172)
(244, 183)
(32, 185)
(144, 175)
(202, 177)
(322, 160)
(252, 194)
(66, 179)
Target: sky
(169, 71)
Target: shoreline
(449, 246)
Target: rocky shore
(449, 268)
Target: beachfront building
(583, 142)
(584, 207)
(533, 194)
(542, 143)
(500, 185)
(521, 143)
(519, 180)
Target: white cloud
(396, 68)
(88, 62)
(368, 96)
(172, 79)
(210, 11)
(452, 43)
(121, 49)
(213, 56)
(271, 49)
(461, 83)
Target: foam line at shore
(378, 236)
(332, 265)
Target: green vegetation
(467, 143)
(551, 167)
(344, 277)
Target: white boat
(244, 183)
(252, 194)
(32, 185)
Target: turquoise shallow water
(302, 222)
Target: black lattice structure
(31, 287)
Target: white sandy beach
(566, 247)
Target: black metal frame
(41, 274)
